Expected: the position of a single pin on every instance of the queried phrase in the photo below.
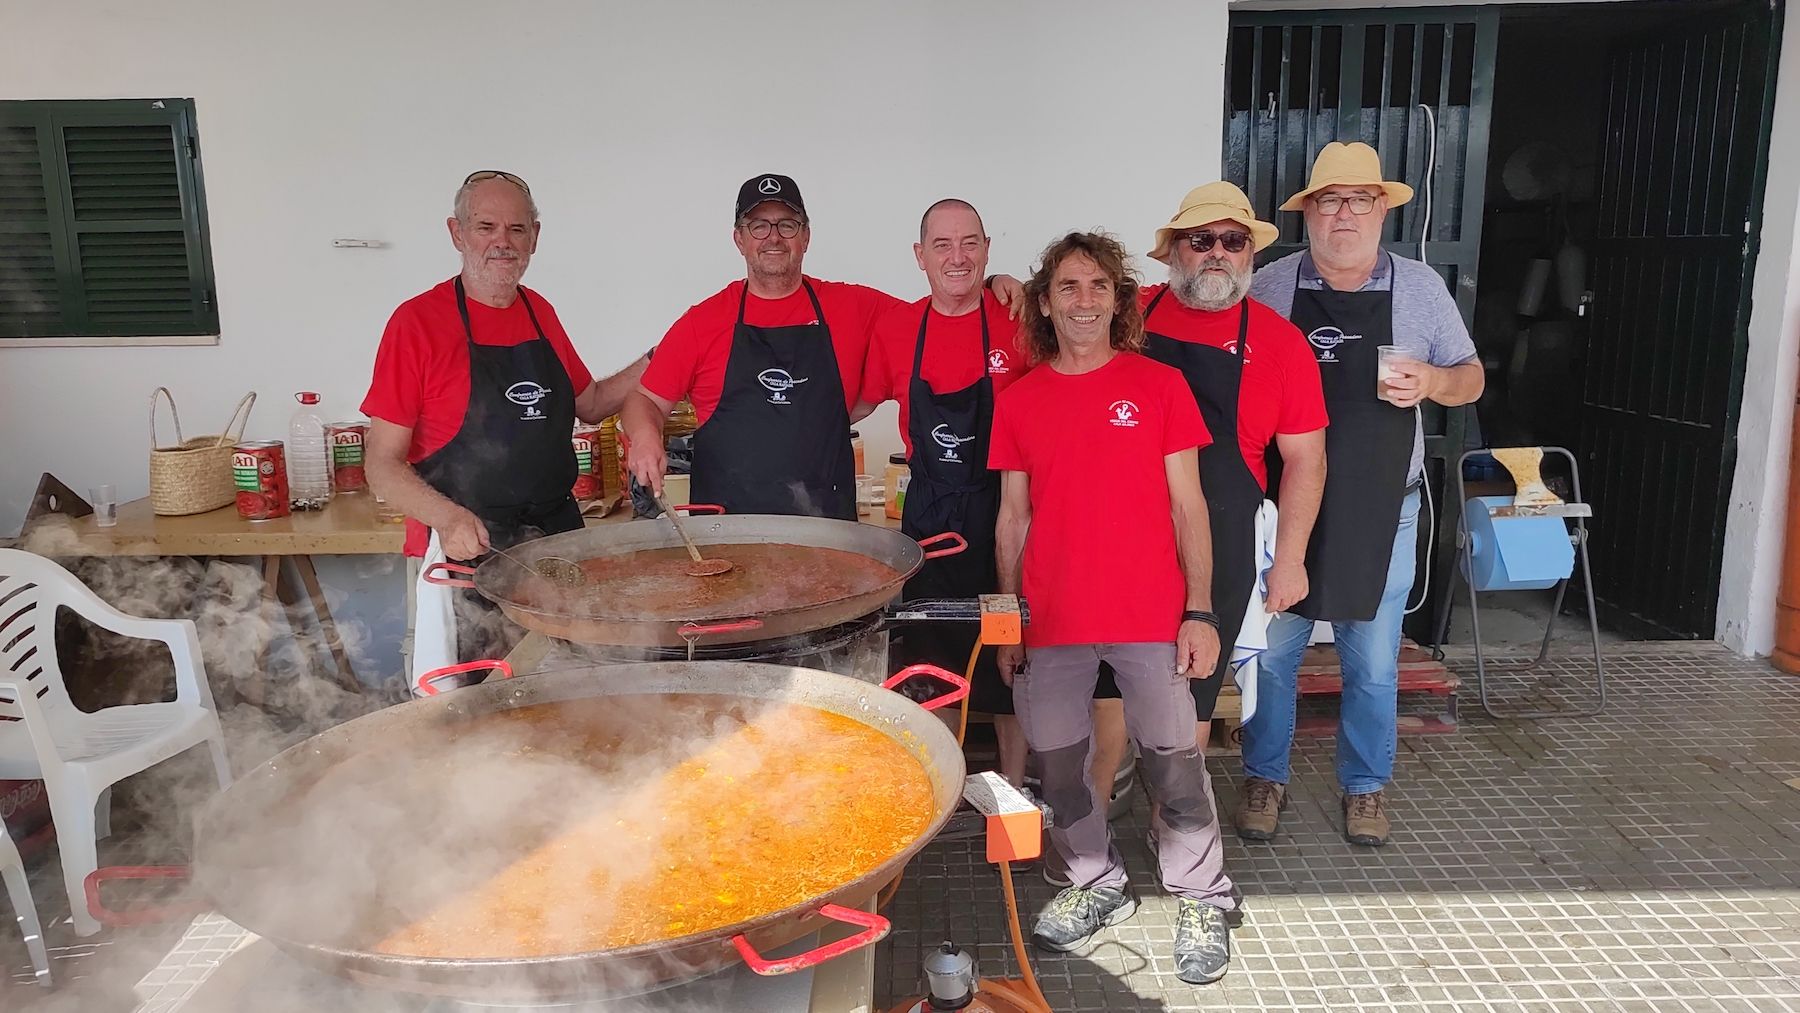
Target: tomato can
(588, 483)
(259, 470)
(346, 440)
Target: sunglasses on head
(1202, 241)
(485, 174)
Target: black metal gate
(1297, 80)
(1681, 187)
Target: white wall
(1754, 528)
(634, 124)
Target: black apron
(1233, 495)
(511, 463)
(779, 440)
(951, 489)
(1368, 448)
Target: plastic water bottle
(308, 458)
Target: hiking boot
(1076, 913)
(1259, 812)
(1365, 819)
(1202, 942)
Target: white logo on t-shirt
(998, 362)
(1124, 413)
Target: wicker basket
(193, 476)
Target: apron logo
(997, 362)
(527, 394)
(943, 437)
(1124, 413)
(1326, 339)
(769, 184)
(778, 382)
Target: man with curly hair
(1103, 526)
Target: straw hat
(1214, 202)
(1353, 164)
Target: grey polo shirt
(1427, 326)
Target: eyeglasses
(484, 174)
(1361, 204)
(1200, 242)
(759, 227)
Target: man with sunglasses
(476, 389)
(1350, 298)
(1257, 386)
(773, 365)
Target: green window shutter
(121, 219)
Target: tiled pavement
(1648, 859)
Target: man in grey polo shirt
(1352, 300)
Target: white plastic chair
(80, 756)
(12, 870)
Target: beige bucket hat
(1214, 202)
(1353, 164)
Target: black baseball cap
(768, 186)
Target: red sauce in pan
(654, 583)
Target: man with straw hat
(1354, 301)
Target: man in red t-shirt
(1257, 384)
(773, 365)
(475, 393)
(1103, 526)
(945, 358)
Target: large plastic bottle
(308, 458)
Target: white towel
(1253, 632)
(434, 619)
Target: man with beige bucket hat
(1351, 299)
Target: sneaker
(1202, 942)
(1366, 820)
(1076, 913)
(1259, 811)
(1054, 876)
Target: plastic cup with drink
(1387, 357)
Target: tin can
(259, 470)
(588, 462)
(346, 441)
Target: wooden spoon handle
(676, 521)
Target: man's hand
(465, 537)
(1010, 292)
(1196, 649)
(1414, 382)
(648, 460)
(1287, 586)
(1010, 658)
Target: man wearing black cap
(773, 365)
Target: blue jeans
(1369, 655)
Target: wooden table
(347, 527)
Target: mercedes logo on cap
(769, 184)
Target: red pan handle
(434, 574)
(694, 631)
(700, 508)
(956, 541)
(875, 927)
(426, 679)
(959, 686)
(143, 915)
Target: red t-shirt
(690, 361)
(953, 358)
(1100, 562)
(421, 376)
(1280, 391)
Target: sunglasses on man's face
(485, 174)
(1201, 242)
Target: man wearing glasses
(1351, 299)
(773, 365)
(475, 391)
